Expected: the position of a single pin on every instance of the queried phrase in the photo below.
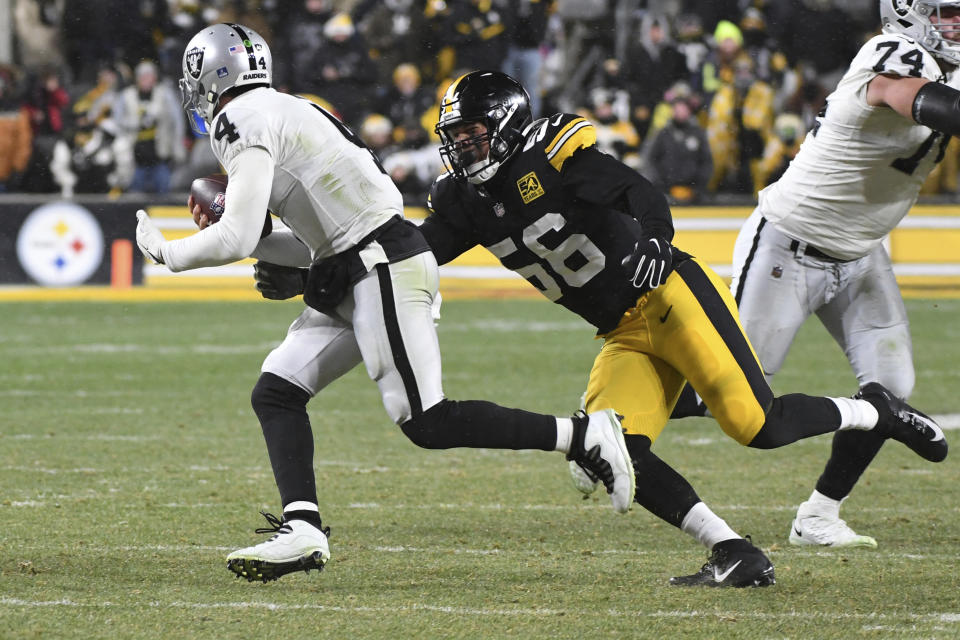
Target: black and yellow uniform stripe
(687, 329)
(450, 98)
(577, 134)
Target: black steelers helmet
(494, 99)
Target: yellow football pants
(686, 329)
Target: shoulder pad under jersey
(559, 136)
(896, 54)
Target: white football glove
(149, 237)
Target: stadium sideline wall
(84, 249)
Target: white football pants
(858, 302)
(387, 322)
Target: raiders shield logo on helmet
(902, 7)
(195, 62)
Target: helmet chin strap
(478, 175)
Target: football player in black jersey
(595, 236)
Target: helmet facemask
(463, 155)
(198, 105)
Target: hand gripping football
(210, 194)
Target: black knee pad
(426, 430)
(272, 392)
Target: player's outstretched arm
(237, 233)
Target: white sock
(706, 526)
(301, 505)
(564, 435)
(823, 505)
(856, 414)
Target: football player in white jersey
(372, 290)
(813, 244)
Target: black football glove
(650, 263)
(276, 282)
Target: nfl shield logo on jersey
(499, 210)
(195, 62)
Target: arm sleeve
(595, 177)
(282, 247)
(443, 239)
(237, 233)
(938, 106)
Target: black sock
(660, 489)
(302, 514)
(481, 424)
(282, 410)
(795, 416)
(852, 452)
(580, 423)
(688, 405)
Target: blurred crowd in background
(706, 99)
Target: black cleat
(903, 423)
(732, 563)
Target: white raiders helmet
(912, 18)
(221, 57)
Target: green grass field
(131, 464)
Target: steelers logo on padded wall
(60, 245)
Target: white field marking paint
(49, 471)
(455, 551)
(948, 422)
(108, 348)
(99, 548)
(579, 505)
(582, 505)
(181, 548)
(120, 437)
(513, 326)
(113, 410)
(83, 393)
(181, 505)
(896, 617)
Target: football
(210, 194)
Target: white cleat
(296, 545)
(604, 455)
(583, 481)
(825, 530)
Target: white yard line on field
(117, 496)
(898, 618)
(786, 552)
